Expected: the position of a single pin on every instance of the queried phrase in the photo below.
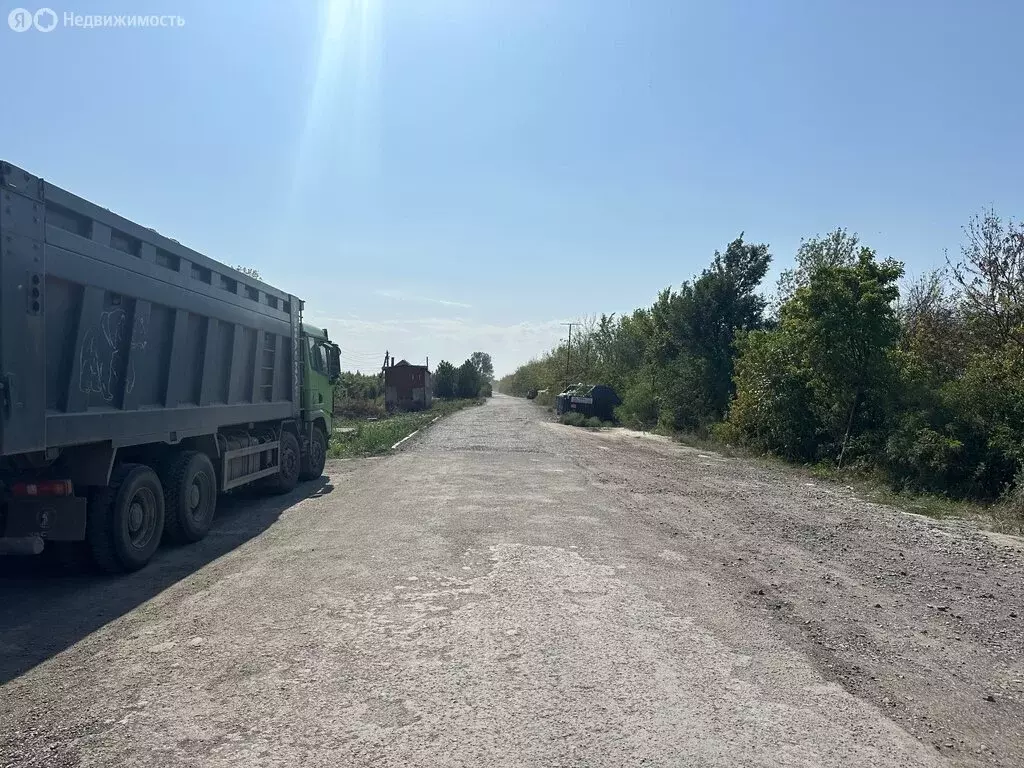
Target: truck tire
(315, 456)
(290, 464)
(125, 520)
(190, 496)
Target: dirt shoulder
(923, 618)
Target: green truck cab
(321, 367)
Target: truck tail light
(44, 488)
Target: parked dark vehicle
(531, 394)
(139, 378)
(589, 399)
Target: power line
(360, 355)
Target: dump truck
(139, 379)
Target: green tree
(826, 373)
(959, 425)
(693, 332)
(484, 367)
(990, 276)
(845, 321)
(836, 249)
(932, 327)
(445, 379)
(467, 380)
(358, 386)
(359, 395)
(773, 408)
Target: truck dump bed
(112, 332)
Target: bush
(963, 437)
(359, 409)
(772, 410)
(988, 407)
(639, 409)
(1010, 510)
(685, 406)
(576, 419)
(919, 458)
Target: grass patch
(373, 438)
(926, 504)
(574, 419)
(705, 442)
(1005, 515)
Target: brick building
(407, 387)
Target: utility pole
(568, 350)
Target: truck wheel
(316, 456)
(291, 463)
(126, 519)
(190, 496)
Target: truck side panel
(134, 338)
(22, 306)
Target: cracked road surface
(506, 591)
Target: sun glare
(340, 131)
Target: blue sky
(439, 176)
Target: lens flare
(340, 135)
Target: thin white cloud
(440, 338)
(403, 296)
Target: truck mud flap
(58, 518)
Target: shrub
(1010, 510)
(918, 457)
(772, 407)
(574, 419)
(639, 409)
(359, 409)
(684, 402)
(988, 407)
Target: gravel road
(505, 591)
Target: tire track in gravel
(919, 617)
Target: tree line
(844, 362)
(471, 379)
(360, 394)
